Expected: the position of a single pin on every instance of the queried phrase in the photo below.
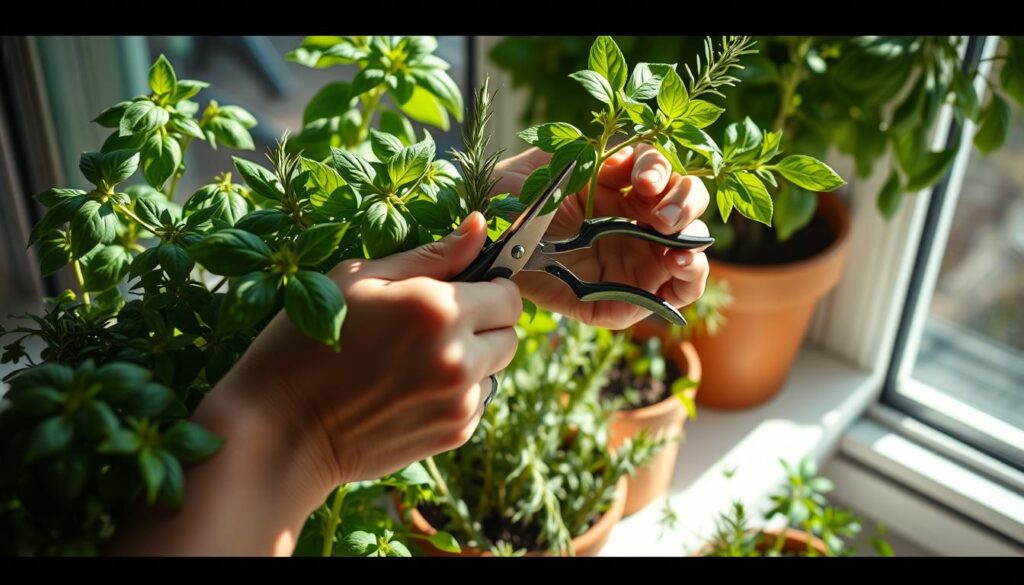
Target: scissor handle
(482, 268)
(593, 229)
(612, 291)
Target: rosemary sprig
(477, 166)
(715, 72)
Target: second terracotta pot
(746, 362)
(587, 544)
(796, 543)
(665, 418)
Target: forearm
(249, 498)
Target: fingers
(496, 349)
(617, 171)
(489, 305)
(651, 172)
(685, 201)
(688, 269)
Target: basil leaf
(260, 180)
(161, 156)
(384, 229)
(162, 79)
(552, 136)
(249, 300)
(809, 173)
(190, 442)
(142, 117)
(672, 96)
(315, 306)
(606, 58)
(596, 85)
(317, 243)
(94, 223)
(231, 252)
(794, 208)
(105, 267)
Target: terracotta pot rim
(669, 403)
(603, 525)
(792, 535)
(822, 257)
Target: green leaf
(172, 490)
(889, 197)
(175, 260)
(770, 146)
(230, 133)
(742, 141)
(91, 166)
(190, 442)
(120, 442)
(360, 542)
(672, 97)
(534, 185)
(334, 99)
(366, 80)
(149, 400)
(54, 252)
(411, 163)
(111, 117)
(162, 79)
(443, 87)
(529, 310)
(240, 115)
(430, 215)
(445, 542)
(94, 223)
(398, 125)
(384, 229)
(596, 85)
(397, 549)
(105, 268)
(749, 196)
(646, 80)
(700, 113)
(259, 179)
(264, 221)
(794, 208)
(317, 243)
(966, 97)
(667, 148)
(809, 173)
(249, 300)
(161, 156)
(35, 401)
(400, 86)
(356, 171)
(95, 420)
(186, 126)
(1012, 75)
(231, 252)
(552, 136)
(385, 146)
(693, 138)
(187, 88)
(120, 381)
(993, 125)
(315, 305)
(151, 468)
(929, 169)
(606, 58)
(49, 437)
(142, 117)
(682, 389)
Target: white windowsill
(821, 399)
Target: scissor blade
(529, 228)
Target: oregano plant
(654, 105)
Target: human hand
(666, 201)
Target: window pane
(972, 350)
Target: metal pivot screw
(517, 251)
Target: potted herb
(653, 387)
(871, 98)
(810, 525)
(539, 476)
(171, 293)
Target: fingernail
(670, 213)
(463, 228)
(683, 259)
(652, 176)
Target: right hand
(413, 371)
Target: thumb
(440, 260)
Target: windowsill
(821, 399)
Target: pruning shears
(523, 247)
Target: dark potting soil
(807, 242)
(652, 391)
(496, 529)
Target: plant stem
(177, 175)
(465, 524)
(331, 524)
(790, 83)
(81, 281)
(136, 219)
(369, 107)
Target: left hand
(660, 198)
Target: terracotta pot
(665, 418)
(587, 544)
(747, 361)
(796, 543)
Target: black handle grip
(593, 229)
(482, 268)
(611, 291)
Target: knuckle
(460, 436)
(430, 303)
(461, 410)
(453, 367)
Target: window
(959, 359)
